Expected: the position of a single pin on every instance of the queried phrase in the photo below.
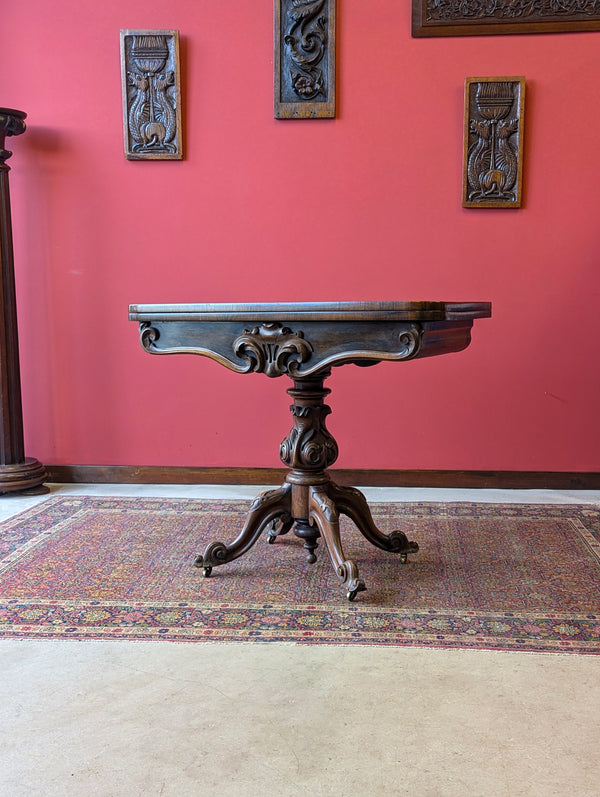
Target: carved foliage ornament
(304, 59)
(276, 350)
(510, 9)
(273, 349)
(493, 142)
(151, 94)
(309, 444)
(478, 17)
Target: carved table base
(308, 501)
(304, 341)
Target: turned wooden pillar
(18, 473)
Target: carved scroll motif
(304, 59)
(309, 444)
(493, 142)
(506, 10)
(148, 337)
(151, 94)
(273, 349)
(479, 17)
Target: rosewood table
(304, 341)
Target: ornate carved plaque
(482, 17)
(151, 94)
(304, 59)
(493, 142)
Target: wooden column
(18, 473)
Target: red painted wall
(366, 206)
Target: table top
(302, 339)
(312, 311)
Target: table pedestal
(309, 502)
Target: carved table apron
(305, 341)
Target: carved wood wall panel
(304, 59)
(493, 142)
(484, 17)
(151, 94)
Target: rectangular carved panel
(493, 142)
(304, 62)
(151, 94)
(479, 18)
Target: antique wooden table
(305, 341)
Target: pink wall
(366, 206)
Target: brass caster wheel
(403, 558)
(206, 571)
(351, 594)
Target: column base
(23, 477)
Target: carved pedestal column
(309, 448)
(17, 472)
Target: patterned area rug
(488, 576)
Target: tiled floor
(119, 719)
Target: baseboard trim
(507, 480)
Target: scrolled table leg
(267, 507)
(352, 503)
(323, 512)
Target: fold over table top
(304, 339)
(312, 311)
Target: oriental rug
(487, 576)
